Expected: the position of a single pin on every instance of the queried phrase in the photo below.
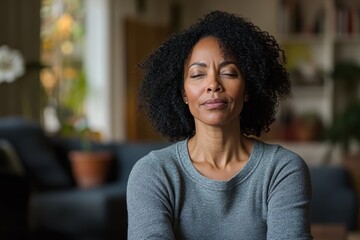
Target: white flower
(11, 64)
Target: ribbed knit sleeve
(149, 208)
(289, 194)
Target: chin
(217, 123)
(220, 121)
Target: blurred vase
(51, 121)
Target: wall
(156, 11)
(20, 29)
(260, 12)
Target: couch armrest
(41, 165)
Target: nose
(214, 85)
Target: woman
(211, 88)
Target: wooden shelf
(308, 91)
(303, 38)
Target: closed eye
(197, 75)
(230, 74)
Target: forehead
(207, 48)
(208, 41)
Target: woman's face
(214, 88)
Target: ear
(183, 94)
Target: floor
(353, 236)
(333, 232)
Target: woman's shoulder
(278, 163)
(157, 166)
(276, 154)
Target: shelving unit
(315, 35)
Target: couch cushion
(333, 198)
(81, 214)
(35, 152)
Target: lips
(215, 103)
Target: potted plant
(90, 166)
(346, 75)
(345, 129)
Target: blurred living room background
(69, 74)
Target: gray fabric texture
(167, 198)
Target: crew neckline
(238, 178)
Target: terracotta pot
(90, 169)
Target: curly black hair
(257, 54)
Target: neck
(219, 146)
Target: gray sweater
(269, 198)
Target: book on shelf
(347, 21)
(292, 17)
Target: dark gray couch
(59, 210)
(334, 200)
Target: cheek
(239, 97)
(237, 91)
(191, 92)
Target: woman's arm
(148, 203)
(289, 202)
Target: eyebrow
(222, 64)
(198, 64)
(226, 63)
